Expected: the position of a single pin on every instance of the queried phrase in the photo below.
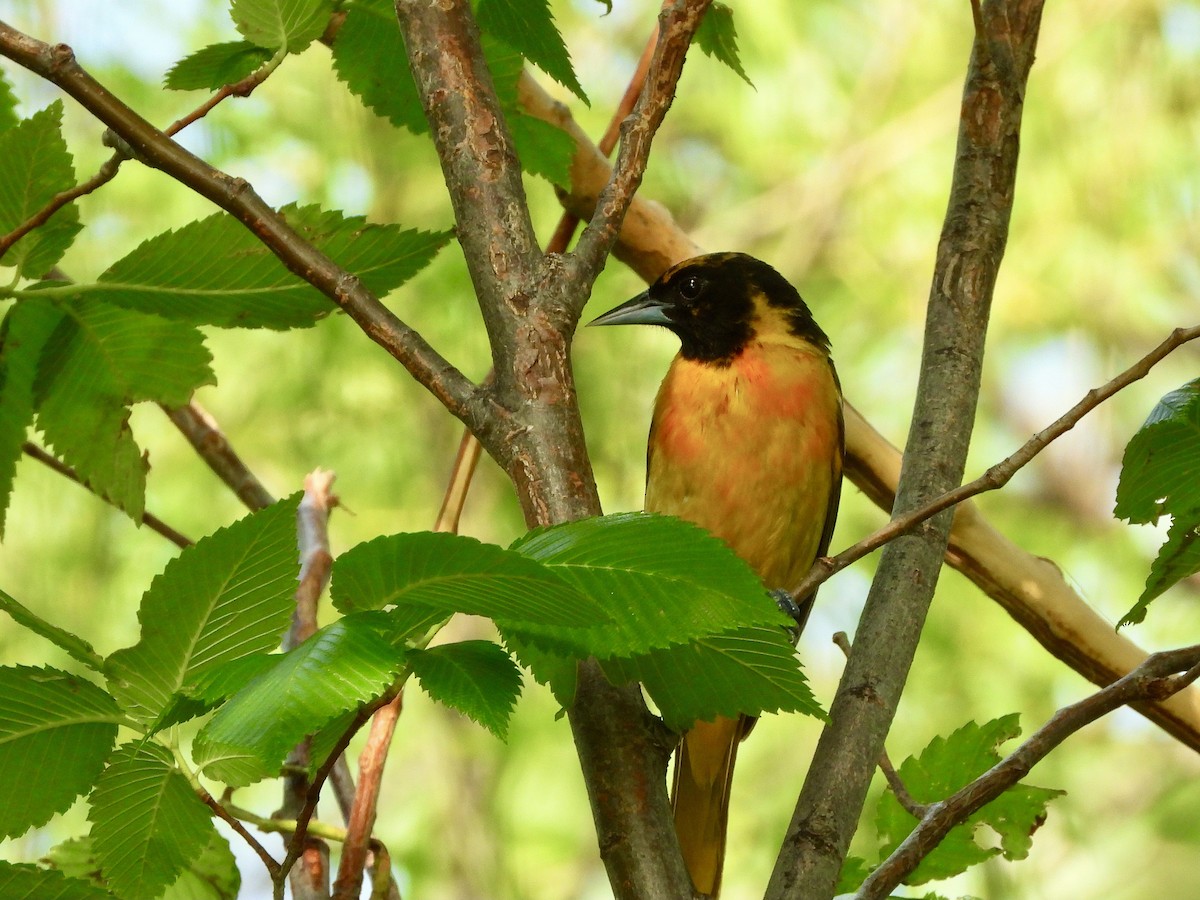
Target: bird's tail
(700, 796)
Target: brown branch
(233, 822)
(1148, 681)
(151, 146)
(1002, 472)
(677, 24)
(899, 788)
(309, 879)
(362, 819)
(297, 843)
(207, 439)
(109, 169)
(151, 521)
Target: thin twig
(914, 808)
(151, 521)
(234, 823)
(109, 169)
(999, 474)
(207, 439)
(1147, 681)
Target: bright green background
(835, 168)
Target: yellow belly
(750, 452)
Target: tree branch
(234, 195)
(1001, 473)
(1148, 681)
(151, 521)
(969, 253)
(207, 439)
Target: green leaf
(544, 149)
(751, 671)
(98, 360)
(215, 66)
(72, 644)
(338, 669)
(288, 24)
(37, 165)
(1160, 475)
(147, 823)
(558, 672)
(369, 57)
(216, 272)
(213, 875)
(23, 333)
(944, 767)
(20, 882)
(662, 582)
(8, 105)
(717, 37)
(854, 872)
(475, 677)
(528, 25)
(229, 596)
(454, 574)
(56, 730)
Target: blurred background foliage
(835, 167)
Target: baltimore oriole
(747, 440)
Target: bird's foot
(788, 606)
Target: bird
(747, 440)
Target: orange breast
(751, 453)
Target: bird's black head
(718, 303)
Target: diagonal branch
(1002, 472)
(1150, 681)
(234, 195)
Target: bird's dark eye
(691, 287)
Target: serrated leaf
(229, 596)
(854, 872)
(717, 37)
(942, 768)
(1160, 470)
(56, 730)
(751, 671)
(528, 26)
(23, 333)
(558, 672)
(475, 677)
(213, 875)
(544, 149)
(369, 57)
(23, 882)
(37, 165)
(98, 360)
(215, 66)
(8, 105)
(339, 668)
(216, 272)
(455, 574)
(209, 688)
(72, 644)
(1160, 475)
(288, 24)
(662, 582)
(147, 823)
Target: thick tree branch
(234, 195)
(1149, 681)
(968, 260)
(531, 310)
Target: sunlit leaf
(147, 822)
(717, 37)
(291, 24)
(56, 730)
(215, 66)
(475, 677)
(229, 596)
(528, 26)
(21, 882)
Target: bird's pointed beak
(641, 310)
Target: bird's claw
(788, 606)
